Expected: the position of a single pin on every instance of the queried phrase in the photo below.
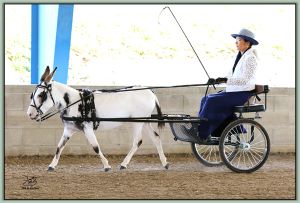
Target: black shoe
(206, 140)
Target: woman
(218, 108)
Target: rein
(86, 96)
(128, 89)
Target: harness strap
(86, 108)
(152, 119)
(93, 113)
(49, 115)
(81, 106)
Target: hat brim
(249, 39)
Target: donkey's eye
(31, 96)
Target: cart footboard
(185, 131)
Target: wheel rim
(245, 146)
(209, 153)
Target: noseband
(43, 96)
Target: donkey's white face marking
(41, 98)
(40, 101)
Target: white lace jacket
(243, 78)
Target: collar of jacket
(250, 51)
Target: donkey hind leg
(91, 137)
(137, 141)
(67, 134)
(157, 142)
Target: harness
(86, 108)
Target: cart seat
(250, 105)
(250, 108)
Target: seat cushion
(250, 108)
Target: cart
(243, 145)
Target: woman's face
(241, 44)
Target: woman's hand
(211, 81)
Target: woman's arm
(249, 72)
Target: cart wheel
(208, 155)
(244, 146)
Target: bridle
(43, 95)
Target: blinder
(43, 97)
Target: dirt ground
(82, 177)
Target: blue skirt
(218, 108)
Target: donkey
(50, 94)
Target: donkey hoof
(50, 169)
(122, 167)
(167, 166)
(107, 169)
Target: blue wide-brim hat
(247, 35)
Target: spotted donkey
(50, 94)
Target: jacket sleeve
(246, 75)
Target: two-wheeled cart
(243, 145)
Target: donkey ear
(46, 73)
(49, 77)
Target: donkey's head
(41, 98)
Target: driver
(218, 108)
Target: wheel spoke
(207, 154)
(258, 148)
(217, 156)
(257, 142)
(258, 152)
(249, 158)
(254, 157)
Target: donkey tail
(160, 115)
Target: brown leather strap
(259, 89)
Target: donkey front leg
(91, 137)
(67, 134)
